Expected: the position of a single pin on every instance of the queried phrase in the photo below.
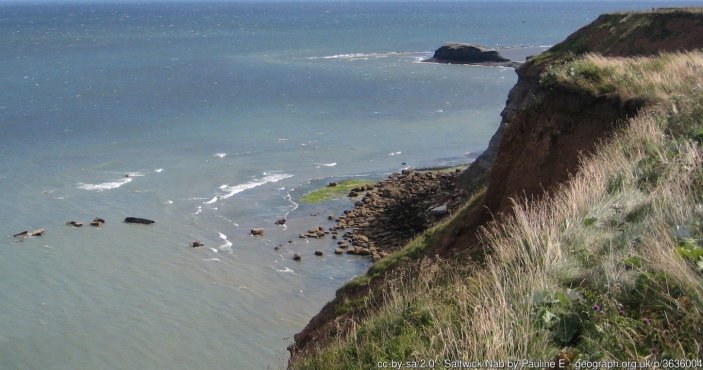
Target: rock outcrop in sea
(462, 53)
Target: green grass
(609, 268)
(334, 192)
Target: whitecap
(214, 250)
(197, 212)
(286, 270)
(159, 170)
(211, 201)
(135, 174)
(394, 153)
(215, 259)
(331, 164)
(227, 246)
(230, 191)
(168, 202)
(220, 155)
(105, 185)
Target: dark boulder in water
(196, 244)
(138, 220)
(281, 221)
(467, 54)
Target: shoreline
(385, 215)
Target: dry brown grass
(592, 272)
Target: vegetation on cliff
(608, 267)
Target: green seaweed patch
(327, 192)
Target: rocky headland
(529, 254)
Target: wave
(332, 164)
(286, 270)
(366, 56)
(227, 246)
(220, 155)
(230, 191)
(105, 185)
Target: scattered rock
(135, 220)
(281, 221)
(318, 253)
(257, 231)
(332, 184)
(23, 234)
(338, 251)
(297, 257)
(196, 244)
(37, 232)
(74, 223)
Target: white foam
(211, 259)
(168, 202)
(395, 153)
(286, 270)
(220, 155)
(198, 211)
(211, 201)
(159, 170)
(214, 250)
(136, 174)
(230, 191)
(105, 185)
(332, 164)
(227, 246)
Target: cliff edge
(581, 235)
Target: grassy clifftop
(607, 268)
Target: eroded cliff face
(543, 132)
(621, 34)
(544, 129)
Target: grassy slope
(608, 268)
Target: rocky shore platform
(388, 214)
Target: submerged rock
(281, 221)
(74, 223)
(22, 233)
(297, 257)
(196, 244)
(257, 231)
(138, 220)
(37, 232)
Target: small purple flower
(621, 311)
(645, 320)
(596, 307)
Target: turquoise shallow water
(223, 115)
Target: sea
(213, 118)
